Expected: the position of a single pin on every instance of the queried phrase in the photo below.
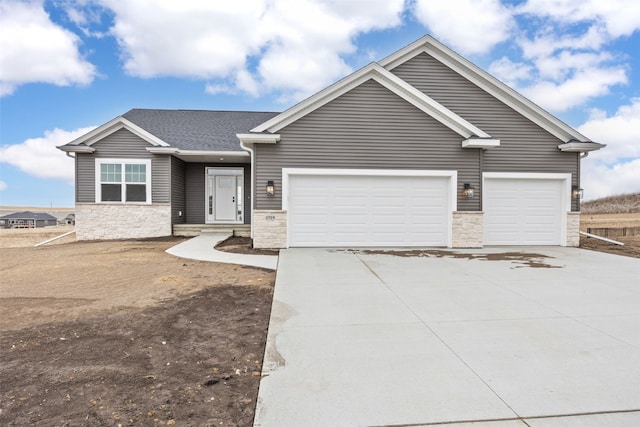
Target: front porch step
(192, 230)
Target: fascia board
(388, 80)
(173, 150)
(485, 81)
(212, 153)
(76, 149)
(114, 125)
(580, 147)
(484, 143)
(261, 138)
(162, 150)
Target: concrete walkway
(481, 337)
(201, 248)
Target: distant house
(69, 220)
(28, 219)
(422, 148)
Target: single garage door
(339, 211)
(523, 211)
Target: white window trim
(451, 174)
(566, 192)
(123, 162)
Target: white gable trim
(115, 125)
(390, 81)
(485, 81)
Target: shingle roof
(198, 129)
(30, 215)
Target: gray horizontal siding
(85, 178)
(195, 191)
(178, 203)
(367, 128)
(122, 144)
(524, 146)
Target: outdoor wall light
(271, 188)
(577, 193)
(468, 191)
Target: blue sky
(68, 66)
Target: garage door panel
(368, 210)
(523, 211)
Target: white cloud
(568, 44)
(40, 157)
(618, 17)
(470, 26)
(550, 39)
(34, 49)
(3, 185)
(251, 46)
(621, 133)
(601, 180)
(616, 168)
(576, 90)
(510, 72)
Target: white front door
(225, 193)
(223, 203)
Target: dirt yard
(612, 221)
(123, 334)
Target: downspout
(253, 171)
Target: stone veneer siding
(117, 221)
(467, 229)
(573, 229)
(269, 229)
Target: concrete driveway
(367, 338)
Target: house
(28, 219)
(69, 220)
(422, 148)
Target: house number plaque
(270, 217)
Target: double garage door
(377, 211)
(369, 210)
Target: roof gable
(170, 131)
(485, 81)
(390, 81)
(115, 125)
(199, 130)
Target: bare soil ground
(121, 333)
(615, 221)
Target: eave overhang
(258, 138)
(483, 143)
(76, 149)
(191, 156)
(580, 147)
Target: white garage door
(339, 211)
(523, 211)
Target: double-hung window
(123, 181)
